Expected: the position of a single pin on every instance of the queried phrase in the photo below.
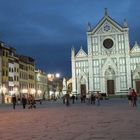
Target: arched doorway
(137, 82)
(83, 86)
(110, 81)
(83, 89)
(110, 87)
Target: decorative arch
(109, 72)
(136, 73)
(109, 64)
(136, 79)
(82, 81)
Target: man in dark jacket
(24, 101)
(73, 98)
(14, 101)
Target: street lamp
(57, 75)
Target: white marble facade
(110, 65)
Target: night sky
(47, 29)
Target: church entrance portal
(83, 89)
(110, 86)
(138, 86)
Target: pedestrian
(84, 98)
(24, 101)
(98, 96)
(129, 96)
(134, 98)
(88, 97)
(67, 98)
(31, 101)
(14, 101)
(18, 100)
(63, 98)
(92, 99)
(73, 98)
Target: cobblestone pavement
(114, 119)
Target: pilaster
(73, 71)
(127, 50)
(90, 61)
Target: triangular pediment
(81, 53)
(106, 25)
(135, 49)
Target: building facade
(17, 75)
(4, 54)
(41, 85)
(26, 75)
(13, 64)
(110, 65)
(0, 76)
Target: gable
(135, 49)
(106, 25)
(81, 53)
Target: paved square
(114, 119)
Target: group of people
(90, 98)
(66, 99)
(24, 101)
(132, 97)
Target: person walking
(63, 98)
(129, 96)
(98, 96)
(88, 98)
(73, 98)
(92, 99)
(31, 101)
(18, 100)
(67, 98)
(134, 98)
(14, 101)
(24, 101)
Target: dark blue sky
(47, 29)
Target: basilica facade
(110, 65)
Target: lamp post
(57, 76)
